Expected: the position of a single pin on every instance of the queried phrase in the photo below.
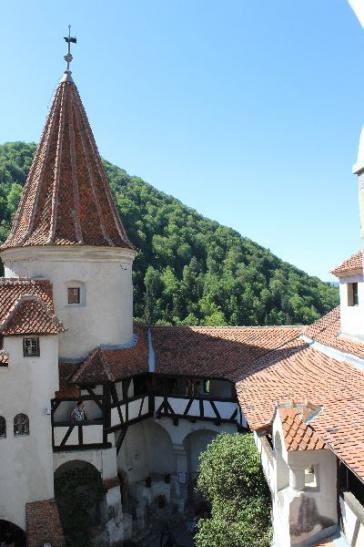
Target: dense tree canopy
(189, 269)
(232, 480)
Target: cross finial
(70, 40)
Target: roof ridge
(230, 327)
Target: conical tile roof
(67, 199)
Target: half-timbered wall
(113, 408)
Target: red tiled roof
(297, 434)
(300, 372)
(26, 307)
(43, 524)
(67, 199)
(327, 331)
(31, 316)
(352, 264)
(219, 352)
(65, 372)
(110, 365)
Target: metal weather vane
(70, 40)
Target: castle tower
(67, 230)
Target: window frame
(315, 485)
(353, 294)
(36, 352)
(17, 425)
(2, 427)
(73, 284)
(73, 288)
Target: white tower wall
(104, 275)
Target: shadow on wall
(305, 517)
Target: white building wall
(149, 446)
(104, 460)
(301, 513)
(105, 315)
(352, 317)
(26, 386)
(352, 514)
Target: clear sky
(247, 110)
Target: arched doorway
(11, 535)
(79, 493)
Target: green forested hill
(189, 269)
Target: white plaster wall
(324, 462)
(26, 386)
(185, 427)
(352, 525)
(149, 446)
(286, 501)
(266, 458)
(352, 317)
(106, 316)
(103, 459)
(195, 443)
(147, 449)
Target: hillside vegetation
(189, 269)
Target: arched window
(21, 425)
(2, 427)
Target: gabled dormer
(350, 274)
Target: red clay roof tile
(219, 352)
(327, 331)
(352, 264)
(67, 199)
(300, 372)
(110, 365)
(297, 434)
(26, 307)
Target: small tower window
(74, 295)
(353, 296)
(31, 347)
(311, 477)
(21, 425)
(2, 427)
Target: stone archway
(80, 494)
(11, 534)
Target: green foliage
(189, 269)
(232, 480)
(78, 490)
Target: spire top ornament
(70, 40)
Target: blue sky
(247, 110)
